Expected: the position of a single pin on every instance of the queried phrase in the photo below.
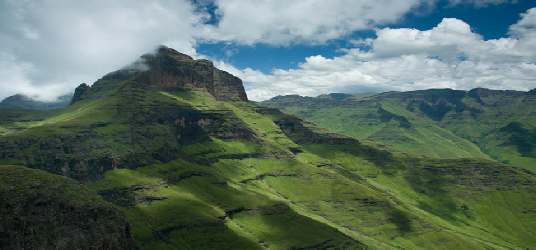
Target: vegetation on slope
(193, 171)
(251, 177)
(437, 123)
(39, 210)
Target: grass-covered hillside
(39, 210)
(437, 123)
(194, 171)
(241, 176)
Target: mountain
(25, 102)
(168, 70)
(173, 144)
(438, 123)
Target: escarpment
(169, 70)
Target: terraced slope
(195, 171)
(440, 123)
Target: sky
(277, 47)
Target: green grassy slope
(503, 127)
(39, 210)
(439, 123)
(193, 165)
(193, 172)
(383, 122)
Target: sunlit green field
(287, 189)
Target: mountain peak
(16, 98)
(169, 70)
(79, 92)
(21, 101)
(163, 51)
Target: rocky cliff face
(169, 70)
(79, 92)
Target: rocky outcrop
(301, 133)
(79, 92)
(168, 70)
(304, 133)
(39, 210)
(171, 70)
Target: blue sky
(491, 21)
(277, 47)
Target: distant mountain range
(175, 157)
(437, 123)
(25, 102)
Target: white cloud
(282, 22)
(448, 56)
(52, 46)
(49, 47)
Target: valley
(436, 123)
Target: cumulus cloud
(49, 47)
(14, 73)
(449, 55)
(282, 22)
